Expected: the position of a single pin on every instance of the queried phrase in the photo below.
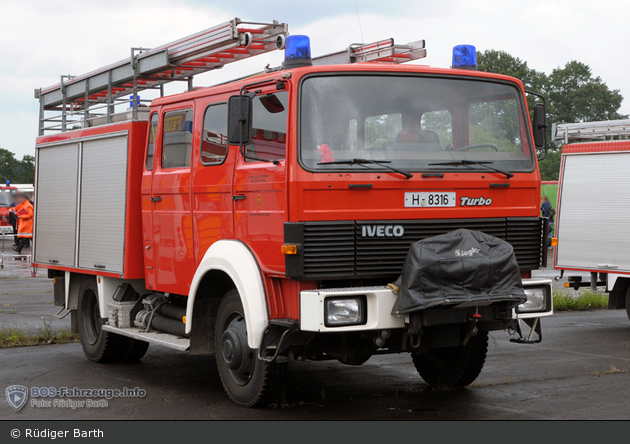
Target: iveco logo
(382, 231)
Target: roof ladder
(384, 51)
(590, 131)
(180, 60)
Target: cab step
(154, 337)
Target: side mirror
(539, 126)
(240, 120)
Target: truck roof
(597, 147)
(356, 67)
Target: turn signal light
(566, 284)
(184, 319)
(554, 241)
(289, 249)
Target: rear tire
(628, 302)
(453, 367)
(98, 345)
(248, 381)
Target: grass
(587, 300)
(612, 371)
(16, 337)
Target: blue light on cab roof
(464, 57)
(297, 51)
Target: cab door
(172, 226)
(147, 204)
(260, 194)
(213, 172)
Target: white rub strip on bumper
(380, 301)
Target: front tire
(98, 345)
(628, 302)
(248, 381)
(453, 367)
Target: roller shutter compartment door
(103, 199)
(56, 204)
(594, 212)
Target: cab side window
(153, 127)
(269, 127)
(214, 145)
(177, 138)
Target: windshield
(6, 197)
(412, 123)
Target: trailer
(594, 206)
(277, 217)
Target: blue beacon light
(297, 51)
(464, 57)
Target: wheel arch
(225, 262)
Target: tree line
(572, 94)
(14, 170)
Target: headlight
(536, 300)
(345, 311)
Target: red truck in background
(594, 180)
(263, 219)
(7, 194)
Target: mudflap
(534, 326)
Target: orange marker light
(289, 249)
(184, 319)
(554, 241)
(566, 284)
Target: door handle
(156, 199)
(239, 197)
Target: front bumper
(7, 229)
(379, 302)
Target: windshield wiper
(368, 161)
(475, 162)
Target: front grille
(334, 250)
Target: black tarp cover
(457, 267)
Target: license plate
(421, 200)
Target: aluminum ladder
(145, 69)
(590, 131)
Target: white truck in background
(593, 214)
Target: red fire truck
(593, 180)
(7, 194)
(261, 220)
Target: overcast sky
(42, 39)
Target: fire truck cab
(261, 220)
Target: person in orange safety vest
(24, 212)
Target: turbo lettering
(474, 202)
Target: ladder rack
(384, 51)
(589, 131)
(146, 69)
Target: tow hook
(414, 337)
